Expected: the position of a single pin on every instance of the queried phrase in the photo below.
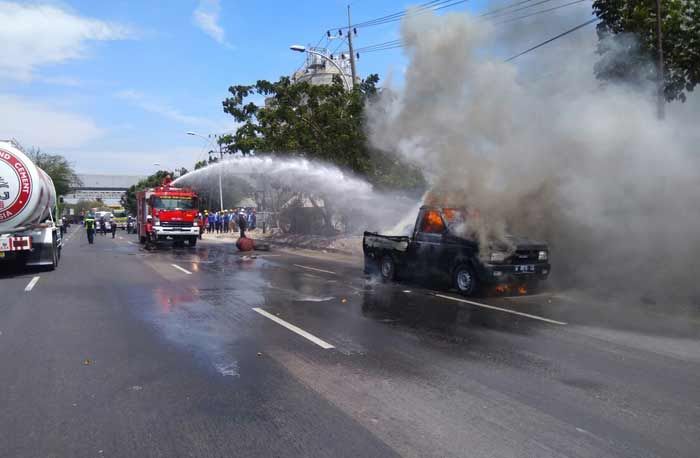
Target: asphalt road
(205, 352)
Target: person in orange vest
(201, 224)
(150, 233)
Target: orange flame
(432, 222)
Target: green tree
(321, 122)
(632, 56)
(128, 200)
(58, 168)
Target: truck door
(428, 245)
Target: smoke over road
(584, 166)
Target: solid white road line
(321, 343)
(31, 284)
(132, 243)
(181, 269)
(317, 270)
(534, 317)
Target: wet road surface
(208, 352)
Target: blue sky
(114, 85)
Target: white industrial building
(318, 70)
(107, 188)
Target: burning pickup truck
(439, 247)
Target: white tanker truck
(29, 234)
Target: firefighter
(150, 233)
(242, 222)
(90, 228)
(201, 224)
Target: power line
(506, 13)
(541, 11)
(397, 14)
(434, 5)
(497, 10)
(399, 45)
(378, 45)
(394, 44)
(590, 21)
(419, 11)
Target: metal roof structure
(106, 182)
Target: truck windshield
(172, 203)
(454, 216)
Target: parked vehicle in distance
(119, 217)
(440, 247)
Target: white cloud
(146, 103)
(60, 80)
(206, 17)
(33, 35)
(38, 124)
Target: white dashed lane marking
(181, 269)
(31, 284)
(321, 343)
(491, 307)
(315, 269)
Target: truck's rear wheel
(54, 253)
(465, 280)
(387, 268)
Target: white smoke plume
(562, 158)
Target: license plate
(525, 268)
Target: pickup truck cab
(440, 246)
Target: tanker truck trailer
(29, 233)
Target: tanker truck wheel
(54, 253)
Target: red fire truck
(168, 213)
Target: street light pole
(299, 48)
(221, 191)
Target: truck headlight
(542, 255)
(156, 222)
(195, 223)
(498, 256)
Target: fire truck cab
(173, 214)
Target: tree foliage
(320, 122)
(128, 200)
(58, 168)
(633, 56)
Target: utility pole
(352, 52)
(221, 160)
(661, 99)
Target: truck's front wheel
(465, 280)
(387, 268)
